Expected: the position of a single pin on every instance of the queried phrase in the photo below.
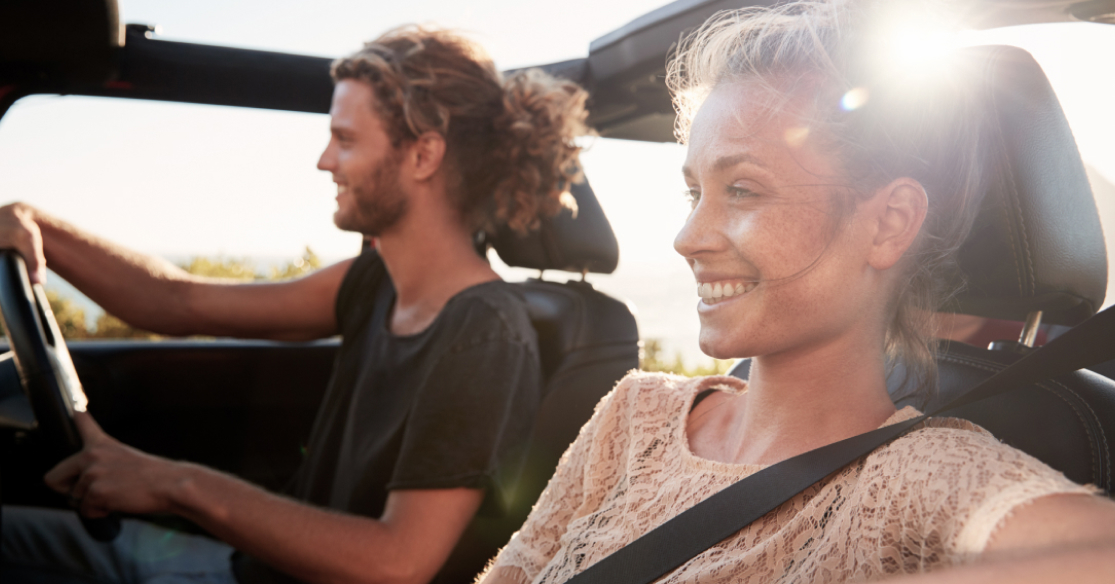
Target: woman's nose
(701, 232)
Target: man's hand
(19, 231)
(109, 476)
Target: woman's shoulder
(940, 432)
(958, 481)
(672, 381)
(952, 453)
(938, 427)
(644, 398)
(657, 388)
(941, 440)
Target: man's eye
(692, 196)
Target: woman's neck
(801, 400)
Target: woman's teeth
(713, 292)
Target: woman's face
(766, 239)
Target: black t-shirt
(451, 406)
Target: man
(438, 374)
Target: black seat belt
(713, 520)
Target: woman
(819, 235)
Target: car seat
(1036, 253)
(587, 342)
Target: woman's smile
(721, 291)
(782, 234)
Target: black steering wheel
(45, 370)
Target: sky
(179, 180)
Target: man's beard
(379, 200)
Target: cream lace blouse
(931, 498)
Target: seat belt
(713, 520)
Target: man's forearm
(310, 543)
(408, 543)
(146, 291)
(151, 293)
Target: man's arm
(153, 294)
(408, 544)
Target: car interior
(1036, 254)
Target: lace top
(930, 498)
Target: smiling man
(438, 375)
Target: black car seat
(587, 342)
(1036, 253)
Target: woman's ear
(900, 214)
(426, 155)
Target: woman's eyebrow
(725, 162)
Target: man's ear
(426, 155)
(900, 214)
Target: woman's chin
(718, 347)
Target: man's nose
(326, 161)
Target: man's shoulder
(367, 263)
(357, 291)
(492, 311)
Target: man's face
(364, 164)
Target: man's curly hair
(509, 143)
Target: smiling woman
(822, 238)
(767, 223)
(823, 158)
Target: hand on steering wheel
(45, 369)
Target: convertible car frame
(246, 406)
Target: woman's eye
(740, 192)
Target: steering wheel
(45, 370)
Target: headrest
(1036, 243)
(564, 242)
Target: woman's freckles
(762, 227)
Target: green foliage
(71, 317)
(297, 267)
(221, 267)
(110, 327)
(651, 359)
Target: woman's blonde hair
(509, 142)
(825, 53)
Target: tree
(650, 359)
(69, 316)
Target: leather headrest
(1036, 243)
(564, 242)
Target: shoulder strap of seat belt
(695, 530)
